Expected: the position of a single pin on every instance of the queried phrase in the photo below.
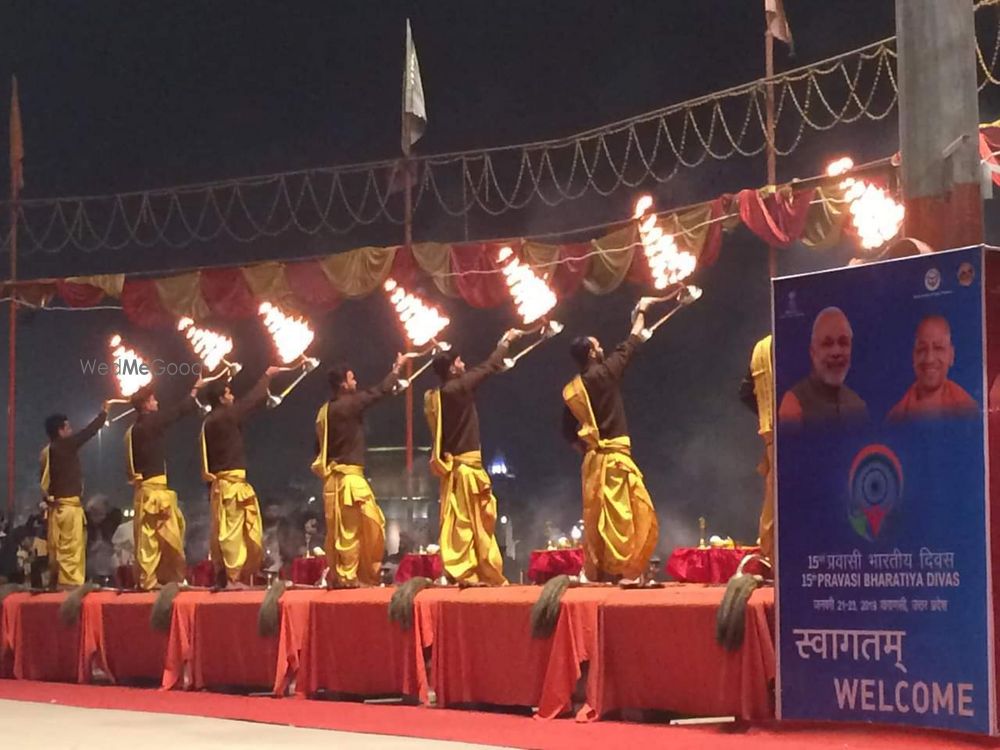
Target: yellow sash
(762, 371)
(133, 476)
(578, 400)
(441, 464)
(206, 475)
(44, 459)
(68, 502)
(231, 475)
(319, 465)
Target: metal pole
(772, 257)
(408, 242)
(15, 192)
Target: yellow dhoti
(159, 533)
(765, 529)
(67, 541)
(762, 371)
(236, 540)
(469, 549)
(355, 526)
(620, 524)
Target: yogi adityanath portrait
(822, 397)
(932, 393)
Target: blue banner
(883, 584)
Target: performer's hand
(400, 361)
(272, 371)
(512, 334)
(198, 385)
(644, 303)
(106, 406)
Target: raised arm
(377, 392)
(81, 437)
(256, 397)
(615, 364)
(166, 417)
(474, 377)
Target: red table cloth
(42, 647)
(483, 651)
(125, 577)
(7, 614)
(201, 574)
(549, 563)
(349, 646)
(711, 565)
(214, 636)
(306, 571)
(413, 565)
(118, 638)
(294, 622)
(657, 650)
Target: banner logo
(876, 489)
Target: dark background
(124, 96)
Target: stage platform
(646, 649)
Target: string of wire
(650, 148)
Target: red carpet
(472, 726)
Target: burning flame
(667, 263)
(875, 215)
(420, 321)
(532, 296)
(291, 335)
(210, 347)
(130, 369)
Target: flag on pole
(414, 112)
(777, 21)
(16, 140)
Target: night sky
(120, 96)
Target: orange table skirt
(36, 644)
(483, 651)
(657, 650)
(646, 648)
(342, 642)
(118, 639)
(214, 642)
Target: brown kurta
(65, 475)
(603, 383)
(459, 417)
(148, 455)
(345, 427)
(224, 430)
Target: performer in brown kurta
(236, 534)
(620, 524)
(62, 488)
(355, 526)
(158, 523)
(469, 550)
(757, 392)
